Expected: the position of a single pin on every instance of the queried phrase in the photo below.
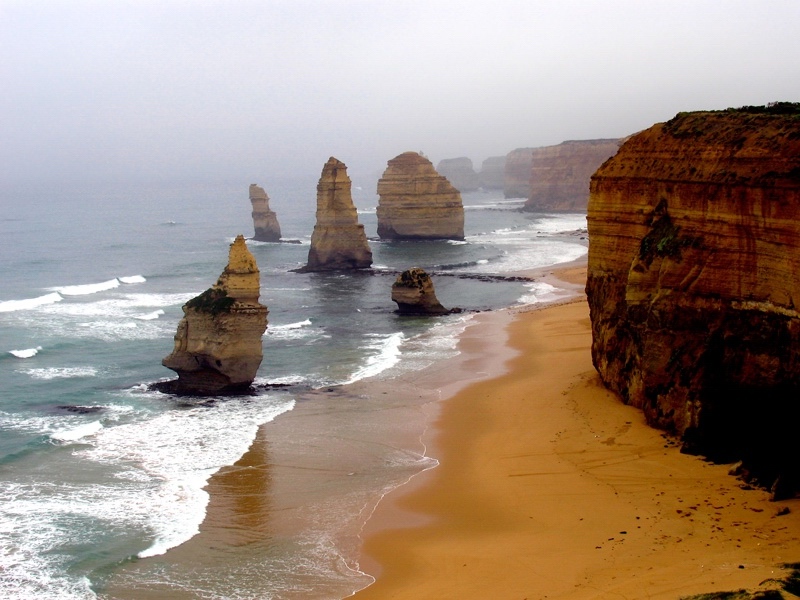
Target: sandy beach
(549, 487)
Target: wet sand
(549, 487)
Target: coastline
(548, 486)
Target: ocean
(103, 482)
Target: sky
(119, 90)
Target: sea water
(97, 470)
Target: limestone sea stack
(338, 241)
(417, 203)
(559, 177)
(517, 173)
(265, 221)
(694, 283)
(414, 294)
(460, 173)
(218, 342)
(492, 175)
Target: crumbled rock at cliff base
(694, 282)
(218, 341)
(414, 294)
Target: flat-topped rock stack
(265, 221)
(338, 241)
(417, 203)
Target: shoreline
(562, 491)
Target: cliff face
(218, 342)
(338, 241)
(460, 173)
(694, 283)
(265, 221)
(414, 294)
(559, 176)
(517, 174)
(418, 203)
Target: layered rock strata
(694, 283)
(414, 294)
(559, 176)
(265, 221)
(338, 241)
(417, 203)
(460, 173)
(218, 342)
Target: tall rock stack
(265, 221)
(338, 241)
(218, 342)
(492, 175)
(517, 173)
(694, 283)
(416, 203)
(559, 177)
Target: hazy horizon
(253, 90)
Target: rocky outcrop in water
(265, 221)
(694, 283)
(338, 241)
(218, 342)
(517, 173)
(417, 203)
(414, 294)
(559, 176)
(493, 173)
(460, 173)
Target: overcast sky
(254, 89)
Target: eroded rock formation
(460, 173)
(517, 174)
(559, 176)
(265, 221)
(338, 241)
(694, 283)
(218, 342)
(492, 175)
(414, 294)
(417, 203)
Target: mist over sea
(102, 481)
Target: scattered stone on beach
(265, 221)
(417, 203)
(338, 241)
(218, 342)
(414, 294)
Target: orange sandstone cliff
(694, 283)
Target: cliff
(414, 294)
(265, 221)
(559, 176)
(517, 173)
(492, 175)
(416, 202)
(460, 173)
(694, 283)
(338, 240)
(218, 341)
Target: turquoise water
(95, 469)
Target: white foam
(132, 279)
(540, 292)
(150, 316)
(88, 288)
(27, 353)
(77, 433)
(60, 372)
(296, 325)
(15, 305)
(386, 354)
